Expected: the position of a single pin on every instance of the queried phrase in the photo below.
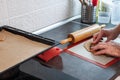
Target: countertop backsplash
(32, 15)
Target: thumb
(108, 39)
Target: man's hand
(111, 34)
(109, 48)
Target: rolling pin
(82, 34)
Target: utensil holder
(88, 14)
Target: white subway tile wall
(31, 15)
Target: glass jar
(115, 16)
(104, 13)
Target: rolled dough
(88, 45)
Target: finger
(95, 36)
(108, 39)
(100, 52)
(99, 46)
(102, 43)
(98, 37)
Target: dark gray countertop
(66, 66)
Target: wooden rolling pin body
(82, 34)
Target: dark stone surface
(67, 65)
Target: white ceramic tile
(42, 18)
(19, 7)
(76, 7)
(31, 15)
(38, 4)
(3, 12)
(24, 23)
(1, 17)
